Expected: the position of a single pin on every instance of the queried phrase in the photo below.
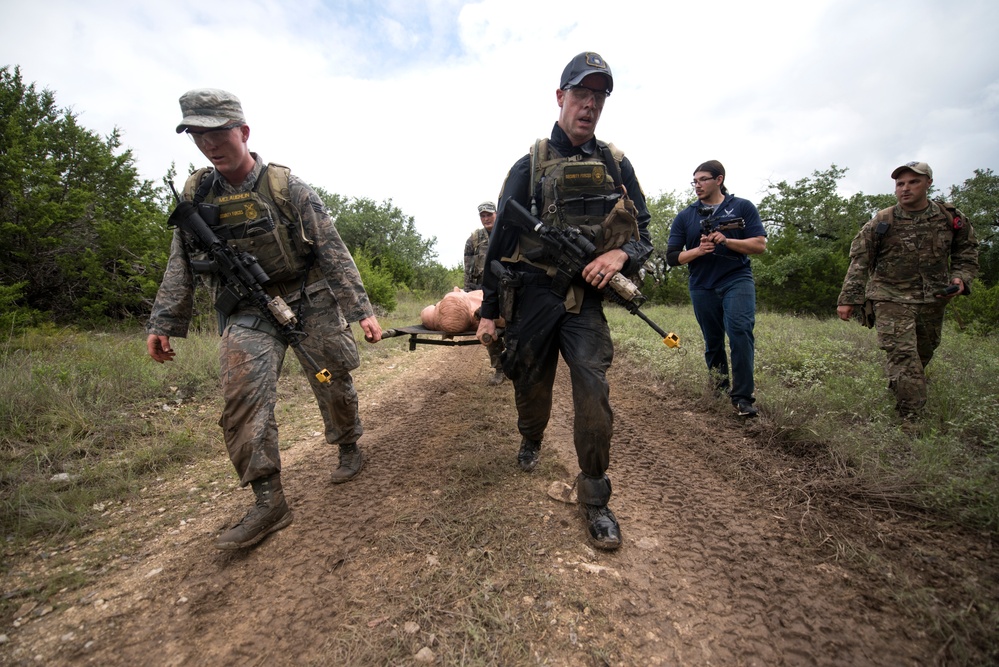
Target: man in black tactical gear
(573, 180)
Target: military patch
(317, 207)
(585, 175)
(594, 60)
(250, 210)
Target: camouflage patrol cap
(583, 64)
(487, 207)
(209, 107)
(920, 168)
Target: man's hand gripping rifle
(241, 277)
(709, 225)
(568, 251)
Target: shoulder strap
(885, 218)
(274, 183)
(613, 156)
(955, 218)
(197, 185)
(539, 155)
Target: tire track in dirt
(710, 572)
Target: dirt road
(443, 552)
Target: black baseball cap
(584, 64)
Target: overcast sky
(429, 102)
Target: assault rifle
(568, 251)
(708, 225)
(242, 277)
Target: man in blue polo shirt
(722, 290)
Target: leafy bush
(377, 282)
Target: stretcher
(420, 335)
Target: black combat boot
(527, 457)
(351, 462)
(594, 493)
(269, 514)
(601, 526)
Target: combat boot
(601, 526)
(351, 462)
(527, 457)
(269, 514)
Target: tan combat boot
(269, 514)
(351, 462)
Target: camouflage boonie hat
(487, 207)
(920, 168)
(209, 107)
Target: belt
(290, 287)
(255, 322)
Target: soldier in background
(908, 262)
(475, 263)
(309, 267)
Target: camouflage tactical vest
(261, 222)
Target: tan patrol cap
(209, 107)
(920, 168)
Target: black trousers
(541, 330)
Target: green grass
(820, 386)
(92, 408)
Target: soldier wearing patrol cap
(570, 179)
(905, 265)
(475, 264)
(265, 209)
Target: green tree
(809, 230)
(978, 198)
(386, 235)
(662, 283)
(82, 238)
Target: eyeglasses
(582, 93)
(214, 137)
(702, 179)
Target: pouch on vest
(619, 227)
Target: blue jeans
(730, 309)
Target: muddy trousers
(539, 332)
(909, 333)
(251, 358)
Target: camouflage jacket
(475, 258)
(174, 305)
(920, 254)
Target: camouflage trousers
(909, 333)
(250, 360)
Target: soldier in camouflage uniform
(903, 262)
(326, 293)
(475, 263)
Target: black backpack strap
(612, 164)
(204, 187)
